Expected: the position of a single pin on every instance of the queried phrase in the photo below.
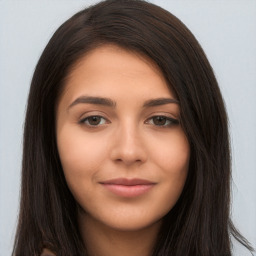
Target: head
(200, 213)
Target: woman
(126, 146)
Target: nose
(128, 147)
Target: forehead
(110, 70)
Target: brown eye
(162, 121)
(93, 120)
(159, 120)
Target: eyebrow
(110, 103)
(93, 100)
(160, 101)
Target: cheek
(172, 153)
(172, 157)
(80, 155)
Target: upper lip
(128, 182)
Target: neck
(101, 240)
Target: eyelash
(171, 121)
(86, 119)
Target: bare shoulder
(47, 252)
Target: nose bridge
(128, 146)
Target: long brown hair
(199, 224)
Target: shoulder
(47, 252)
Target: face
(123, 151)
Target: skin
(124, 142)
(47, 252)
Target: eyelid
(173, 121)
(89, 113)
(84, 118)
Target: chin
(131, 223)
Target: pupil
(94, 120)
(159, 120)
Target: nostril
(127, 146)
(129, 158)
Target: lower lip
(128, 191)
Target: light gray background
(225, 28)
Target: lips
(128, 187)
(128, 182)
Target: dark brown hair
(199, 224)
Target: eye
(162, 121)
(93, 121)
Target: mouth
(128, 187)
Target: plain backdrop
(226, 30)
